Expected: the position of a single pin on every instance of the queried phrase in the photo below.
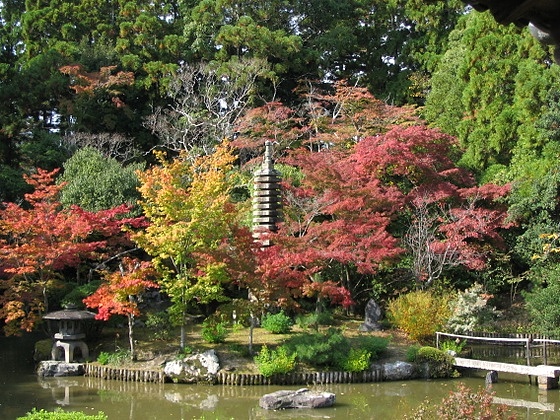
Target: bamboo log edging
(240, 379)
(124, 374)
(300, 378)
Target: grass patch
(234, 352)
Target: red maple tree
(39, 239)
(459, 222)
(120, 292)
(349, 208)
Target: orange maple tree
(106, 79)
(39, 239)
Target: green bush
(95, 182)
(453, 346)
(542, 305)
(272, 362)
(376, 346)
(77, 293)
(160, 324)
(279, 323)
(43, 349)
(412, 353)
(116, 358)
(214, 332)
(469, 310)
(184, 352)
(320, 349)
(314, 319)
(103, 358)
(419, 314)
(358, 360)
(440, 363)
(58, 414)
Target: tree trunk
(131, 336)
(251, 328)
(182, 342)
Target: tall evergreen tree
(488, 91)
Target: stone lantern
(70, 333)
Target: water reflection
(21, 390)
(121, 400)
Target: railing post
(437, 339)
(545, 356)
(528, 352)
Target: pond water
(21, 390)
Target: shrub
(453, 346)
(440, 363)
(184, 352)
(376, 346)
(77, 294)
(279, 323)
(58, 414)
(314, 319)
(320, 349)
(103, 358)
(358, 360)
(419, 314)
(214, 332)
(543, 308)
(464, 404)
(43, 349)
(116, 358)
(159, 323)
(469, 310)
(272, 362)
(412, 353)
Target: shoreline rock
(195, 368)
(53, 368)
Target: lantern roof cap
(70, 314)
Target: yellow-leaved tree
(187, 202)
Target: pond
(21, 390)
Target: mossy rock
(436, 363)
(43, 350)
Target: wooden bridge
(547, 375)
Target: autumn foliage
(192, 222)
(106, 80)
(117, 295)
(366, 184)
(349, 209)
(39, 239)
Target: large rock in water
(194, 368)
(302, 398)
(55, 368)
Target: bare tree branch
(110, 145)
(428, 261)
(205, 103)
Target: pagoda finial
(268, 164)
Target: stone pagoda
(267, 197)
